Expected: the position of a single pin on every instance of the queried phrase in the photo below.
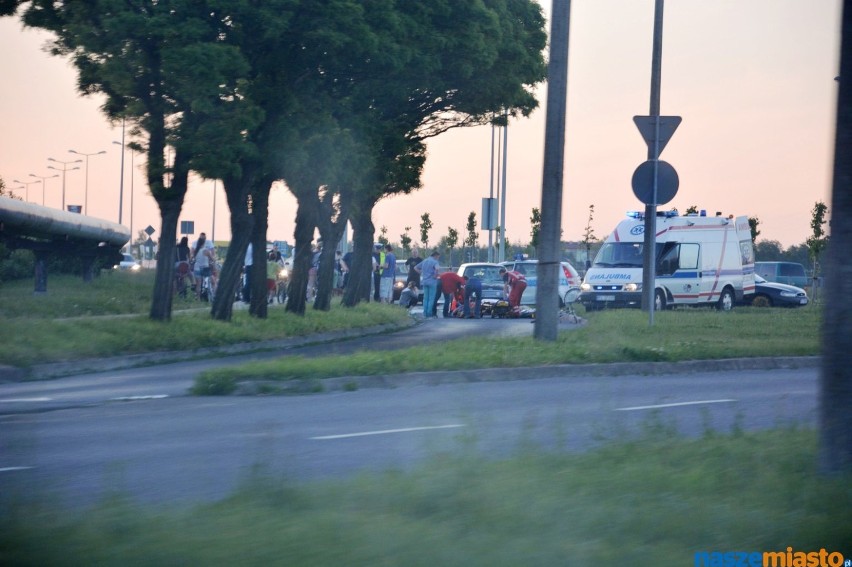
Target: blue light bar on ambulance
(638, 215)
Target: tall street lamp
(86, 198)
(26, 185)
(43, 177)
(133, 149)
(64, 170)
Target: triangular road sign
(647, 127)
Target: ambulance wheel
(726, 300)
(659, 300)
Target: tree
(425, 227)
(691, 210)
(589, 236)
(452, 241)
(818, 240)
(166, 70)
(472, 235)
(835, 452)
(6, 192)
(753, 223)
(535, 228)
(464, 62)
(405, 241)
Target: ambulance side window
(668, 259)
(689, 256)
(678, 257)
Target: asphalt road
(76, 439)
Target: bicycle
(182, 274)
(207, 292)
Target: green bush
(16, 264)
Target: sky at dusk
(752, 79)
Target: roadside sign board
(643, 182)
(648, 129)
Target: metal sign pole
(650, 243)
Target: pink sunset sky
(752, 79)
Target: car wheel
(659, 300)
(726, 300)
(761, 301)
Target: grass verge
(610, 336)
(108, 317)
(650, 502)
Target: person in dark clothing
(413, 275)
(472, 288)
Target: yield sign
(648, 128)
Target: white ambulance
(701, 260)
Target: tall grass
(649, 502)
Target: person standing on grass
(428, 270)
(388, 275)
(413, 260)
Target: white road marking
(696, 403)
(134, 398)
(10, 469)
(25, 400)
(386, 432)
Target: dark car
(489, 274)
(772, 294)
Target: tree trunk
(331, 224)
(304, 236)
(161, 300)
(835, 455)
(260, 210)
(236, 192)
(361, 270)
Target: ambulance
(700, 260)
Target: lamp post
(86, 198)
(26, 185)
(64, 170)
(43, 177)
(133, 151)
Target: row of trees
(334, 97)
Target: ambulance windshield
(622, 255)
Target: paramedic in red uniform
(514, 283)
(449, 283)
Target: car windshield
(487, 274)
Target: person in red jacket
(449, 283)
(514, 284)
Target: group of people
(197, 262)
(463, 289)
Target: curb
(441, 377)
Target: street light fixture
(26, 185)
(64, 170)
(43, 177)
(86, 199)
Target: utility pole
(547, 295)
